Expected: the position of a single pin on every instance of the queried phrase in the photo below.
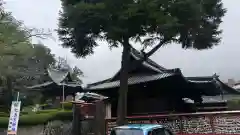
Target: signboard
(14, 117)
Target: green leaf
(192, 23)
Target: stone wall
(198, 123)
(51, 128)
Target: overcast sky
(223, 59)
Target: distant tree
(61, 64)
(14, 33)
(33, 70)
(16, 54)
(26, 69)
(15, 46)
(191, 23)
(75, 72)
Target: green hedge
(39, 118)
(48, 111)
(233, 104)
(67, 105)
(3, 114)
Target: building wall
(157, 105)
(231, 82)
(51, 128)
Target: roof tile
(132, 80)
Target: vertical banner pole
(63, 95)
(17, 96)
(14, 118)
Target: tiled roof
(69, 84)
(196, 81)
(202, 79)
(236, 87)
(131, 81)
(148, 63)
(140, 79)
(161, 72)
(220, 98)
(40, 85)
(58, 77)
(214, 80)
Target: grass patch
(39, 118)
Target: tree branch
(135, 64)
(154, 49)
(39, 35)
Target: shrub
(45, 106)
(3, 114)
(62, 115)
(48, 111)
(4, 122)
(27, 109)
(67, 105)
(39, 118)
(24, 113)
(233, 104)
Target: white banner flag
(14, 117)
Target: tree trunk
(122, 99)
(154, 49)
(9, 92)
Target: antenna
(66, 59)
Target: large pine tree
(191, 23)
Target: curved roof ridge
(135, 53)
(132, 80)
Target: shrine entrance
(89, 118)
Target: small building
(236, 86)
(60, 85)
(155, 89)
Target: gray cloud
(222, 59)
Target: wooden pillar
(76, 122)
(181, 125)
(99, 128)
(108, 111)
